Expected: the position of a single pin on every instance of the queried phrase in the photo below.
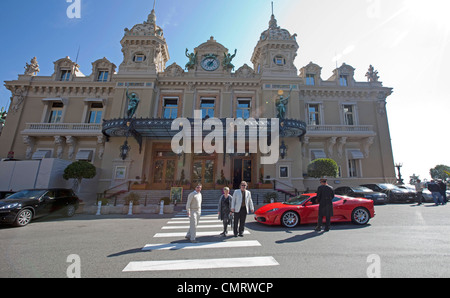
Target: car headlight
(272, 210)
(10, 206)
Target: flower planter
(139, 186)
(265, 185)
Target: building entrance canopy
(161, 129)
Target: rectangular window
(96, 112)
(243, 108)
(349, 115)
(65, 75)
(313, 114)
(207, 106)
(170, 109)
(102, 76)
(310, 81)
(56, 112)
(343, 80)
(352, 168)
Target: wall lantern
(124, 150)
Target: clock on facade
(210, 63)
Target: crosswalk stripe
(187, 227)
(195, 264)
(184, 221)
(182, 234)
(201, 245)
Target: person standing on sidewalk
(325, 196)
(419, 191)
(194, 210)
(241, 204)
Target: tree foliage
(323, 167)
(80, 170)
(440, 172)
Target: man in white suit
(241, 204)
(194, 210)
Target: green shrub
(270, 195)
(323, 167)
(132, 197)
(166, 201)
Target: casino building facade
(120, 118)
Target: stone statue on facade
(282, 103)
(3, 115)
(372, 75)
(32, 69)
(133, 103)
(192, 60)
(227, 60)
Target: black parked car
(362, 192)
(394, 193)
(20, 208)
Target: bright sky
(407, 41)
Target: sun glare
(434, 11)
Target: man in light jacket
(194, 210)
(241, 204)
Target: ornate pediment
(245, 71)
(173, 70)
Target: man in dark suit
(325, 195)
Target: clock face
(210, 64)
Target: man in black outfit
(325, 195)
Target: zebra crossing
(209, 225)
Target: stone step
(210, 197)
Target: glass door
(242, 171)
(203, 171)
(164, 169)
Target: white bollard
(130, 210)
(99, 208)
(161, 211)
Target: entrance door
(164, 169)
(203, 172)
(242, 171)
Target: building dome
(148, 28)
(275, 32)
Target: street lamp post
(399, 179)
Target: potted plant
(268, 197)
(168, 207)
(222, 182)
(135, 198)
(323, 167)
(78, 171)
(139, 186)
(264, 184)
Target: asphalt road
(402, 240)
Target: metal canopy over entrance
(161, 129)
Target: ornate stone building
(72, 116)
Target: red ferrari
(304, 209)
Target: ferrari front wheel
(290, 219)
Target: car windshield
(361, 189)
(298, 200)
(27, 194)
